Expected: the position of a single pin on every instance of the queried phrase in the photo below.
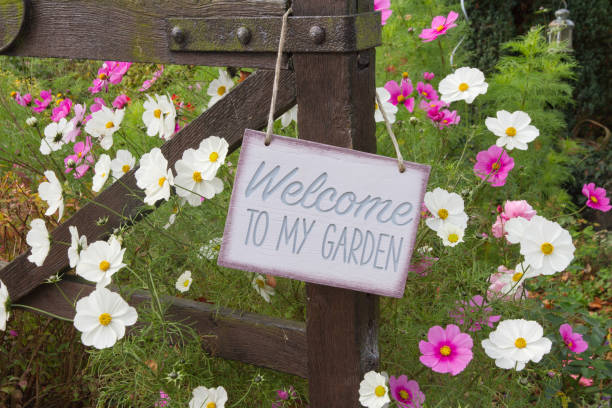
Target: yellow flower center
(445, 350)
(79, 154)
(109, 125)
(594, 199)
(520, 343)
(443, 213)
(517, 276)
(404, 75)
(59, 101)
(104, 265)
(125, 168)
(380, 391)
(161, 181)
(495, 166)
(105, 319)
(157, 113)
(197, 176)
(261, 283)
(463, 87)
(13, 94)
(424, 93)
(453, 238)
(547, 248)
(401, 98)
(439, 28)
(102, 76)
(570, 344)
(375, 106)
(211, 405)
(404, 394)
(511, 131)
(186, 283)
(221, 90)
(214, 156)
(103, 175)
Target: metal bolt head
(244, 35)
(317, 34)
(178, 35)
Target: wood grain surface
(246, 106)
(336, 106)
(131, 30)
(254, 339)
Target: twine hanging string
(279, 57)
(400, 159)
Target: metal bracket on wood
(261, 34)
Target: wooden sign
(323, 214)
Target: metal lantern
(560, 30)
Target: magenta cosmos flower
(62, 110)
(43, 102)
(447, 351)
(596, 197)
(428, 76)
(384, 6)
(439, 26)
(111, 72)
(406, 393)
(427, 91)
(448, 118)
(399, 93)
(493, 165)
(24, 100)
(120, 101)
(572, 340)
(475, 314)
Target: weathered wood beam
(342, 325)
(246, 106)
(253, 339)
(130, 30)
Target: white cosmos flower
(373, 390)
(159, 116)
(102, 317)
(102, 170)
(464, 84)
(444, 207)
(76, 246)
(389, 108)
(4, 297)
(516, 342)
(546, 246)
(31, 121)
(99, 261)
(51, 192)
(54, 136)
(214, 149)
(211, 250)
(512, 129)
(191, 183)
(103, 124)
(515, 228)
(183, 283)
(38, 239)
(154, 177)
(451, 234)
(122, 163)
(261, 287)
(219, 87)
(289, 116)
(513, 282)
(208, 397)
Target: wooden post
(335, 94)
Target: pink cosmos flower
(399, 93)
(475, 314)
(80, 161)
(427, 91)
(97, 105)
(76, 123)
(43, 102)
(62, 110)
(448, 118)
(111, 72)
(428, 76)
(406, 393)
(498, 282)
(512, 209)
(596, 197)
(13, 333)
(572, 340)
(493, 165)
(439, 26)
(24, 100)
(447, 350)
(149, 82)
(120, 101)
(164, 399)
(585, 382)
(422, 266)
(385, 8)
(433, 104)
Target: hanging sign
(323, 214)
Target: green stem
(42, 312)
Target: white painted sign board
(323, 214)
